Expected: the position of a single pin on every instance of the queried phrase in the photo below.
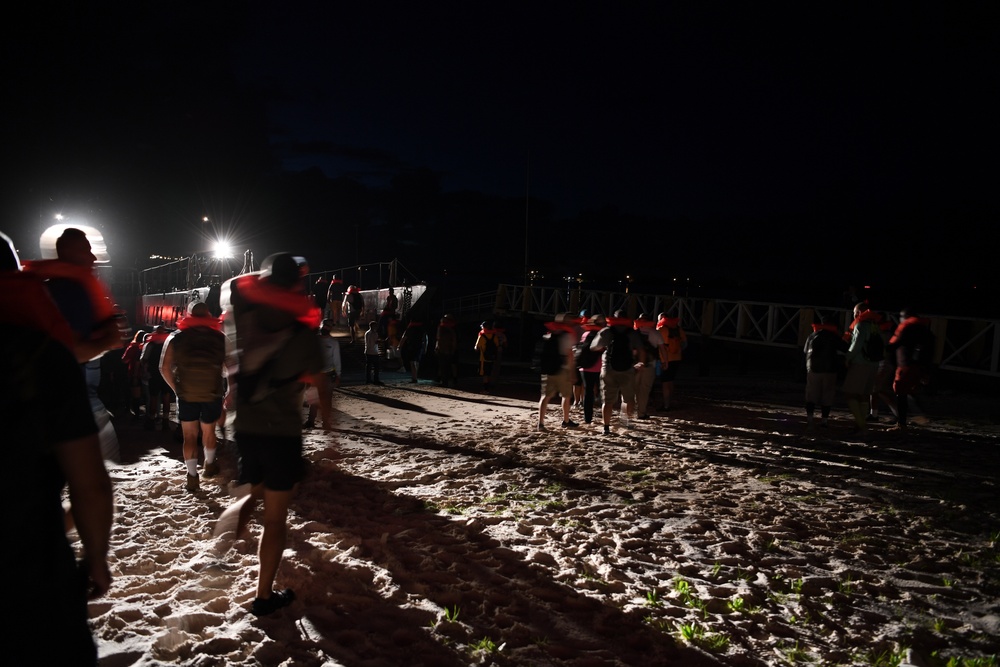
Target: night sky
(783, 149)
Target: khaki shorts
(560, 383)
(618, 383)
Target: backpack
(552, 358)
(490, 347)
(874, 349)
(620, 350)
(583, 355)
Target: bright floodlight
(222, 250)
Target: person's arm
(92, 505)
(596, 345)
(857, 344)
(167, 364)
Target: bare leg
(272, 541)
(208, 441)
(190, 432)
(543, 405)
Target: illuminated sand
(571, 548)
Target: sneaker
(607, 430)
(278, 599)
(192, 483)
(569, 424)
(541, 428)
(211, 469)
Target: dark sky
(785, 140)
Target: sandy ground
(436, 527)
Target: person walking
(270, 326)
(192, 364)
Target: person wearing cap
(270, 325)
(192, 364)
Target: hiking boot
(211, 469)
(541, 428)
(192, 483)
(607, 430)
(278, 599)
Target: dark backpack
(874, 349)
(490, 347)
(583, 355)
(552, 359)
(620, 350)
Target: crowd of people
(881, 365)
(272, 352)
(615, 359)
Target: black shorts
(206, 412)
(272, 460)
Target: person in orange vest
(270, 325)
(192, 364)
(675, 342)
(86, 304)
(53, 443)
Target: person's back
(620, 347)
(275, 349)
(199, 353)
(822, 349)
